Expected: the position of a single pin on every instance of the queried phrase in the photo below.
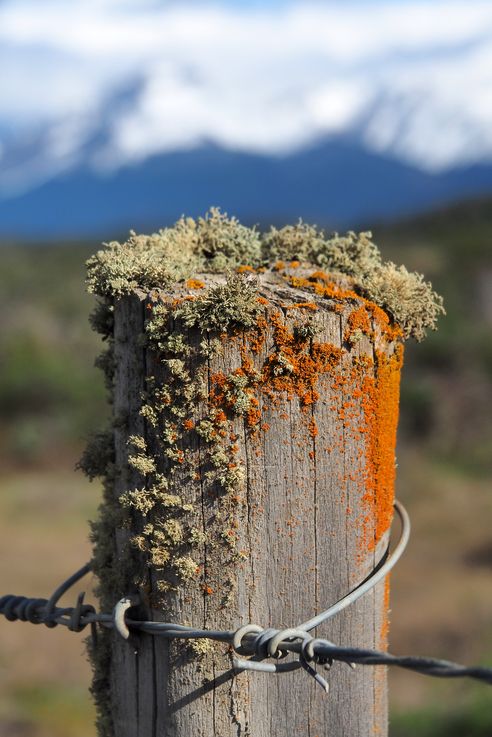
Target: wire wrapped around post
(248, 639)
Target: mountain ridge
(335, 182)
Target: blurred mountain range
(122, 114)
(337, 182)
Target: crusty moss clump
(217, 243)
(98, 456)
(224, 306)
(353, 254)
(223, 243)
(410, 300)
(209, 244)
(300, 242)
(142, 262)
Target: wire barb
(256, 646)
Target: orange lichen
(262, 301)
(363, 394)
(294, 367)
(279, 266)
(323, 287)
(358, 322)
(386, 621)
(312, 427)
(294, 264)
(320, 276)
(195, 284)
(301, 305)
(257, 335)
(380, 398)
(220, 417)
(179, 300)
(381, 318)
(188, 424)
(243, 269)
(253, 415)
(320, 284)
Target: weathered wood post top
(249, 467)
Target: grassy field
(43, 538)
(51, 397)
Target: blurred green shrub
(474, 720)
(51, 396)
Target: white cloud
(415, 78)
(336, 105)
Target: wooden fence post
(249, 478)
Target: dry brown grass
(43, 538)
(441, 596)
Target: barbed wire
(257, 646)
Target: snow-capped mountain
(131, 111)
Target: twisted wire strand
(248, 640)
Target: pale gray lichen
(412, 302)
(171, 531)
(282, 365)
(307, 330)
(200, 647)
(211, 244)
(206, 429)
(236, 393)
(160, 556)
(150, 413)
(216, 243)
(354, 254)
(225, 306)
(138, 442)
(196, 536)
(355, 336)
(225, 243)
(142, 262)
(186, 568)
(143, 500)
(142, 463)
(299, 242)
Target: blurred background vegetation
(51, 397)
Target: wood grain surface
(303, 530)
